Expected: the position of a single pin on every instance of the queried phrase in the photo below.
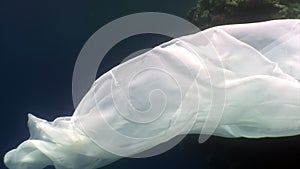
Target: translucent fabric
(170, 90)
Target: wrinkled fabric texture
(168, 91)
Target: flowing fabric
(170, 90)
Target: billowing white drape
(242, 78)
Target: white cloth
(169, 90)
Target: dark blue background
(39, 44)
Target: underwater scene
(150, 84)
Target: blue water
(39, 44)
